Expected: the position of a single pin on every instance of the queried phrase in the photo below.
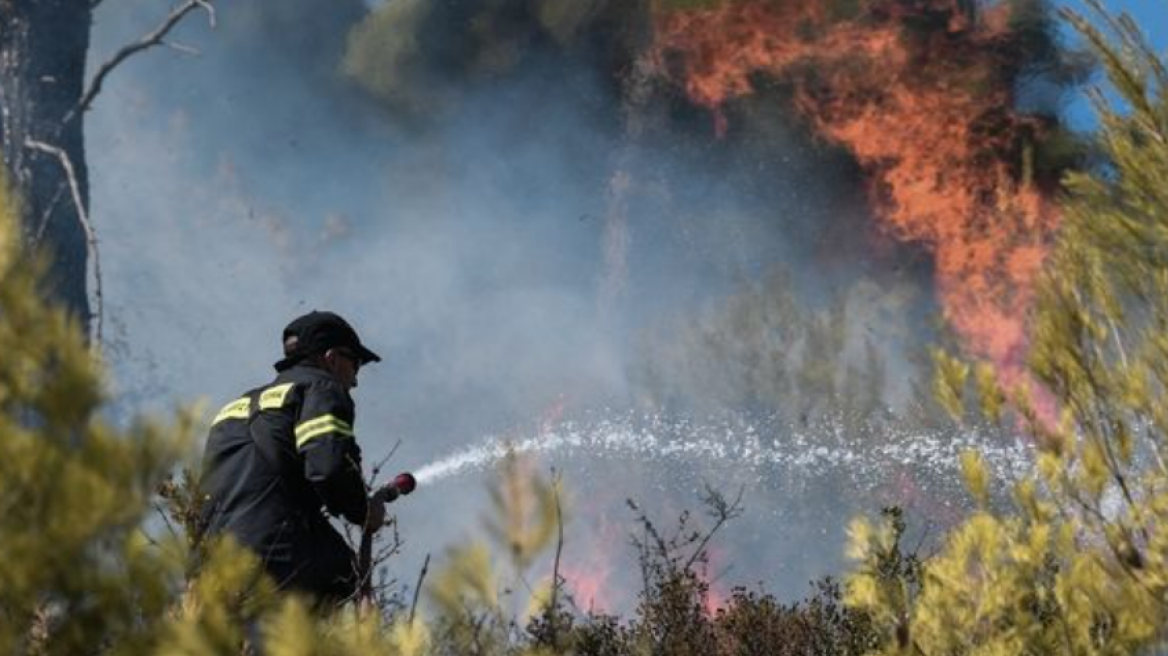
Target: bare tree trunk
(43, 45)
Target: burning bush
(1079, 567)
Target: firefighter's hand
(375, 516)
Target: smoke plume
(525, 206)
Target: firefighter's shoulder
(238, 409)
(326, 411)
(276, 395)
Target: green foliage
(526, 511)
(83, 569)
(483, 607)
(887, 581)
(950, 381)
(76, 571)
(1080, 564)
(415, 55)
(674, 614)
(383, 50)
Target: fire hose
(401, 485)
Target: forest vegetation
(100, 551)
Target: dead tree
(43, 100)
(43, 45)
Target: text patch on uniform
(237, 409)
(274, 397)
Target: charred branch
(83, 217)
(156, 37)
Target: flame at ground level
(797, 477)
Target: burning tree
(1081, 565)
(44, 45)
(925, 96)
(948, 108)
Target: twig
(376, 471)
(924, 534)
(184, 48)
(365, 566)
(418, 587)
(641, 545)
(367, 562)
(723, 512)
(150, 539)
(170, 527)
(1118, 341)
(556, 580)
(155, 38)
(166, 520)
(90, 235)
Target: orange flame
(589, 586)
(927, 114)
(717, 595)
(589, 573)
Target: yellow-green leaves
(1095, 469)
(410, 638)
(993, 401)
(1080, 564)
(9, 230)
(977, 477)
(949, 382)
(75, 490)
(885, 582)
(480, 594)
(467, 578)
(87, 566)
(525, 514)
(289, 632)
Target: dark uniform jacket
(275, 459)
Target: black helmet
(317, 332)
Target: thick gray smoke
(470, 240)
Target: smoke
(526, 219)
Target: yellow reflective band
(237, 409)
(273, 397)
(321, 426)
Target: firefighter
(283, 456)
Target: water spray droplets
(766, 449)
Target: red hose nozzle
(401, 485)
(405, 483)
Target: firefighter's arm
(332, 459)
